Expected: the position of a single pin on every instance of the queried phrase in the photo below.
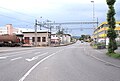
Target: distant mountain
(77, 37)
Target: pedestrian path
(101, 54)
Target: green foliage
(111, 33)
(98, 45)
(111, 22)
(85, 37)
(114, 55)
(112, 46)
(110, 2)
(60, 32)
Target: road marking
(16, 58)
(16, 53)
(3, 57)
(23, 78)
(37, 52)
(36, 57)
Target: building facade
(10, 30)
(43, 38)
(100, 33)
(61, 39)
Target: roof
(37, 32)
(63, 34)
(33, 31)
(117, 22)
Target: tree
(60, 32)
(85, 37)
(111, 34)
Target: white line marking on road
(23, 78)
(3, 57)
(16, 58)
(16, 53)
(36, 57)
(37, 52)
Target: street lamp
(93, 13)
(40, 22)
(49, 28)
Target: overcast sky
(22, 13)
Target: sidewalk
(101, 54)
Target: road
(67, 63)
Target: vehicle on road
(9, 40)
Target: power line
(16, 19)
(17, 12)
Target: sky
(22, 13)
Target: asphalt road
(67, 63)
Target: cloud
(55, 10)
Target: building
(55, 39)
(65, 38)
(3, 30)
(60, 39)
(100, 33)
(8, 29)
(43, 38)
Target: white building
(8, 29)
(61, 39)
(3, 30)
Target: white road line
(36, 57)
(16, 53)
(16, 58)
(3, 57)
(37, 52)
(23, 78)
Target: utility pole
(36, 33)
(49, 29)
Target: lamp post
(49, 35)
(93, 13)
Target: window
(38, 39)
(43, 39)
(117, 25)
(27, 40)
(53, 35)
(33, 39)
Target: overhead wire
(17, 12)
(13, 18)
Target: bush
(114, 55)
(98, 45)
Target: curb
(108, 63)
